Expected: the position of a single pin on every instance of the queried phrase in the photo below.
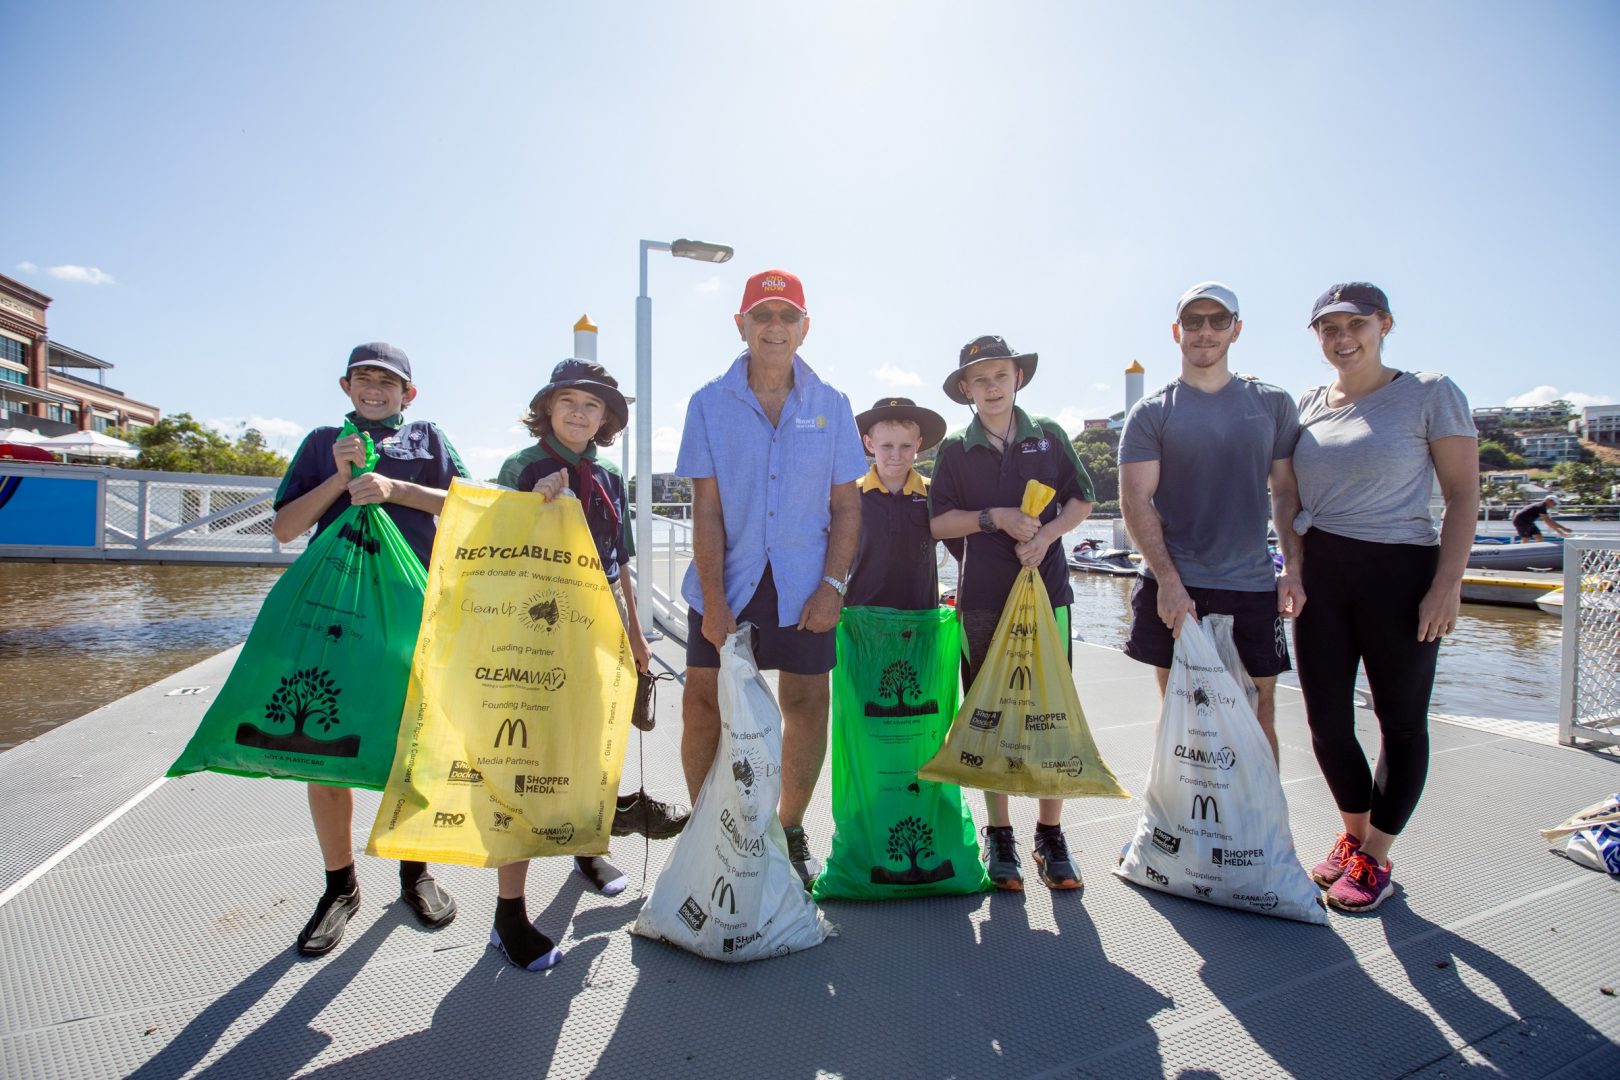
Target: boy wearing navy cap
(977, 492)
(415, 464)
(894, 564)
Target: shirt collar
(392, 423)
(566, 454)
(736, 376)
(1025, 428)
(915, 483)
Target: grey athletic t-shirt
(1214, 453)
(1364, 469)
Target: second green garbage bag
(894, 694)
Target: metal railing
(1589, 691)
(667, 562)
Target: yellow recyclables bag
(520, 694)
(1020, 730)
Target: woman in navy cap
(1382, 586)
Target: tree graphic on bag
(899, 680)
(911, 839)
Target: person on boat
(1195, 462)
(1527, 521)
(1384, 586)
(773, 455)
(415, 465)
(978, 487)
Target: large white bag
(729, 891)
(1216, 823)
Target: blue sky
(224, 198)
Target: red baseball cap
(772, 285)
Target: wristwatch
(840, 587)
(985, 524)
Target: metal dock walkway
(147, 931)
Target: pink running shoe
(1363, 885)
(1327, 871)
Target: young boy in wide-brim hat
(894, 565)
(978, 487)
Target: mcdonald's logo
(723, 896)
(1204, 807)
(1021, 678)
(514, 732)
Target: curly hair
(538, 420)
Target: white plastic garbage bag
(1216, 823)
(728, 891)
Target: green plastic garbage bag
(894, 695)
(318, 689)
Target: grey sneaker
(804, 863)
(1001, 858)
(1052, 860)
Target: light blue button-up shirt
(775, 482)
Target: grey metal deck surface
(161, 946)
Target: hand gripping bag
(1215, 827)
(894, 693)
(1020, 730)
(728, 891)
(316, 692)
(520, 694)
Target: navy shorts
(1257, 629)
(776, 648)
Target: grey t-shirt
(1364, 469)
(1214, 453)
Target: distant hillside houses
(1552, 433)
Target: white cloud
(83, 275)
(1541, 395)
(280, 434)
(889, 375)
(1100, 387)
(709, 284)
(666, 444)
(27, 267)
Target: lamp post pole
(681, 249)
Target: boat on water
(1513, 588)
(1496, 553)
(1092, 558)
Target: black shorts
(1257, 629)
(776, 648)
(1529, 532)
(979, 626)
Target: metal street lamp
(681, 249)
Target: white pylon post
(585, 339)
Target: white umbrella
(20, 436)
(89, 444)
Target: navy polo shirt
(969, 474)
(416, 452)
(894, 564)
(613, 544)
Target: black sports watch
(985, 524)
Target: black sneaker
(325, 928)
(1052, 860)
(804, 863)
(433, 906)
(644, 716)
(1001, 858)
(638, 813)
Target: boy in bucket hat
(415, 464)
(894, 564)
(978, 486)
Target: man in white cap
(1527, 522)
(1195, 461)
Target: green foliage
(1098, 451)
(180, 443)
(1587, 482)
(1496, 455)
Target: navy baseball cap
(380, 354)
(1359, 297)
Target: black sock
(1042, 827)
(624, 801)
(340, 882)
(410, 873)
(999, 828)
(522, 942)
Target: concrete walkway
(147, 931)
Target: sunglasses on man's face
(1216, 322)
(786, 316)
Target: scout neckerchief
(589, 485)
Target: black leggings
(1361, 606)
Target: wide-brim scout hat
(977, 351)
(904, 410)
(591, 377)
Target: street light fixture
(681, 249)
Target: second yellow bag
(1020, 730)
(520, 695)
